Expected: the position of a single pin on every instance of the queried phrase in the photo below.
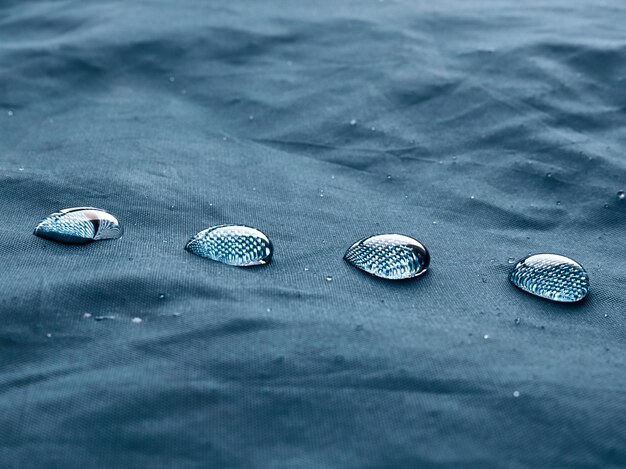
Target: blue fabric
(486, 130)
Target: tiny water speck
(472, 197)
(517, 321)
(511, 260)
(549, 175)
(486, 337)
(621, 195)
(353, 122)
(87, 315)
(329, 279)
(606, 315)
(48, 335)
(388, 177)
(172, 79)
(515, 393)
(161, 296)
(137, 320)
(269, 310)
(10, 113)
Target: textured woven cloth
(485, 130)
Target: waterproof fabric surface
(486, 130)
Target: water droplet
(517, 321)
(172, 79)
(353, 122)
(388, 177)
(511, 260)
(472, 197)
(251, 117)
(87, 315)
(515, 393)
(434, 222)
(137, 320)
(549, 175)
(48, 335)
(551, 276)
(486, 337)
(621, 195)
(161, 296)
(79, 226)
(269, 310)
(329, 279)
(10, 113)
(389, 256)
(21, 168)
(233, 245)
(306, 269)
(558, 202)
(606, 205)
(606, 315)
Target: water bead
(389, 256)
(551, 276)
(79, 225)
(236, 245)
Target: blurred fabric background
(487, 130)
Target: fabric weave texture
(487, 130)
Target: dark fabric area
(176, 116)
